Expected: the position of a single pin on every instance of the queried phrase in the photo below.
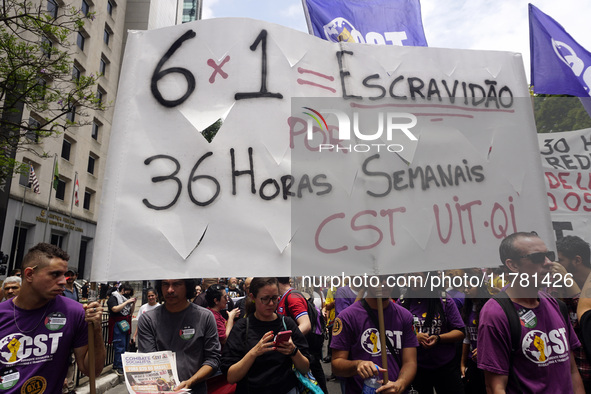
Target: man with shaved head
(543, 361)
(38, 328)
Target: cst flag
(559, 65)
(391, 22)
(33, 182)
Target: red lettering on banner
(564, 182)
(587, 198)
(339, 215)
(356, 227)
(553, 206)
(579, 176)
(552, 180)
(577, 200)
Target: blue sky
(465, 24)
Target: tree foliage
(210, 132)
(37, 42)
(559, 113)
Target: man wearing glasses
(184, 328)
(543, 361)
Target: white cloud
(207, 9)
(501, 25)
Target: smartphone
(282, 336)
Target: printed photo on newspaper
(149, 373)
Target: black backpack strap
(563, 310)
(287, 303)
(562, 307)
(312, 318)
(374, 320)
(515, 328)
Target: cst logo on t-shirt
(16, 347)
(542, 348)
(370, 341)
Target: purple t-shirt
(442, 353)
(354, 332)
(35, 344)
(543, 364)
(343, 298)
(471, 337)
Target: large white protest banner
(332, 157)
(566, 160)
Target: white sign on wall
(287, 186)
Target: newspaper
(149, 373)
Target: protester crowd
(270, 335)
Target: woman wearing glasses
(251, 356)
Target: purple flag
(558, 64)
(390, 22)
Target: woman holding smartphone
(252, 358)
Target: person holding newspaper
(184, 328)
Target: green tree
(210, 132)
(36, 46)
(555, 113)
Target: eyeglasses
(267, 300)
(539, 257)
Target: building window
(85, 8)
(32, 134)
(24, 177)
(61, 190)
(106, 36)
(57, 240)
(41, 88)
(95, 130)
(91, 162)
(87, 200)
(46, 46)
(71, 115)
(66, 148)
(75, 73)
(100, 95)
(80, 41)
(110, 7)
(52, 8)
(103, 67)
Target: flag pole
(382, 330)
(49, 199)
(72, 203)
(91, 364)
(307, 15)
(73, 194)
(18, 234)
